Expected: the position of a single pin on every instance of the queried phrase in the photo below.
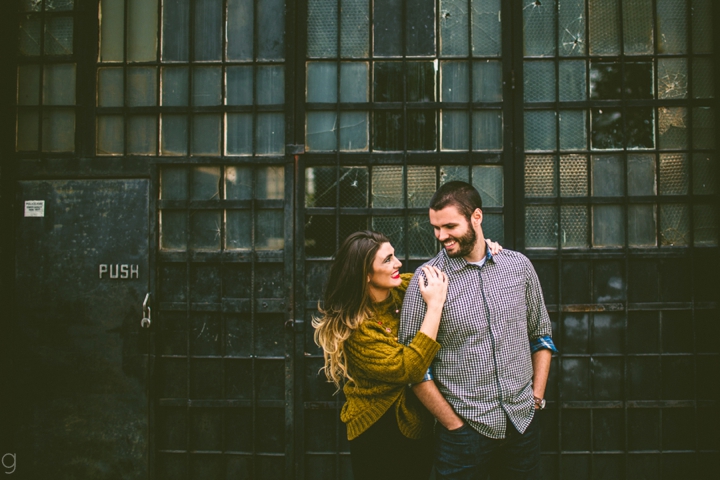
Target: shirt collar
(456, 263)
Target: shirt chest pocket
(508, 302)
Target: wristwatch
(539, 403)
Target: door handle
(147, 313)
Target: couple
(465, 340)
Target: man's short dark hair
(461, 195)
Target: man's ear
(477, 217)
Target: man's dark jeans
(465, 454)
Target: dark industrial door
(80, 350)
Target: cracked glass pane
(539, 28)
(455, 82)
(28, 81)
(421, 130)
(607, 176)
(674, 174)
(269, 230)
(641, 175)
(142, 86)
(320, 185)
(173, 183)
(58, 5)
(703, 78)
(421, 237)
(59, 84)
(540, 130)
(321, 131)
(205, 229)
(394, 229)
(421, 185)
(608, 226)
(354, 82)
(355, 29)
(270, 133)
(573, 226)
(29, 36)
(672, 78)
(239, 85)
(448, 173)
(354, 187)
(672, 26)
(455, 129)
(110, 87)
(206, 135)
(672, 128)
(238, 183)
(388, 130)
(173, 229)
(573, 176)
(454, 27)
(270, 183)
(604, 17)
(487, 130)
(539, 81)
(703, 127)
(142, 135)
(142, 31)
(350, 224)
(674, 225)
(270, 85)
(702, 26)
(486, 28)
(641, 225)
(573, 80)
(487, 81)
(541, 226)
(489, 182)
(493, 226)
(387, 186)
(240, 29)
(354, 128)
(540, 176)
(320, 235)
(704, 174)
(238, 229)
(110, 135)
(573, 130)
(205, 183)
(637, 27)
(59, 36)
(705, 226)
(30, 5)
(322, 28)
(571, 23)
(239, 135)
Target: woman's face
(386, 269)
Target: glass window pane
(674, 174)
(571, 34)
(110, 87)
(540, 176)
(641, 224)
(703, 128)
(322, 28)
(607, 129)
(421, 185)
(674, 225)
(574, 226)
(641, 175)
(207, 86)
(206, 135)
(421, 240)
(448, 173)
(640, 127)
(354, 186)
(420, 78)
(239, 85)
(637, 27)
(238, 183)
(486, 28)
(608, 178)
(419, 27)
(540, 130)
(205, 183)
(354, 128)
(58, 5)
(487, 81)
(394, 229)
(142, 28)
(239, 134)
(355, 28)
(238, 229)
(493, 225)
(29, 36)
(455, 79)
(28, 81)
(489, 182)
(539, 28)
(175, 86)
(208, 31)
(59, 36)
(387, 88)
(572, 82)
(573, 176)
(704, 174)
(354, 82)
(604, 18)
(320, 186)
(573, 130)
(638, 80)
(173, 183)
(142, 135)
(270, 183)
(205, 230)
(173, 230)
(322, 82)
(141, 86)
(388, 130)
(605, 80)
(703, 83)
(608, 226)
(387, 27)
(672, 26)
(702, 26)
(541, 226)
(455, 130)
(672, 127)
(487, 130)
(110, 135)
(28, 128)
(705, 227)
(59, 84)
(271, 29)
(58, 130)
(672, 78)
(174, 134)
(421, 130)
(454, 27)
(240, 29)
(30, 5)
(269, 230)
(321, 128)
(270, 134)
(112, 30)
(539, 84)
(176, 30)
(270, 85)
(387, 186)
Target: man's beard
(466, 244)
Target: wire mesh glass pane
(574, 226)
(702, 26)
(540, 176)
(208, 33)
(176, 30)
(175, 86)
(604, 16)
(421, 237)
(571, 31)
(320, 236)
(239, 134)
(354, 127)
(449, 173)
(541, 226)
(387, 186)
(354, 187)
(487, 131)
(29, 36)
(573, 176)
(455, 128)
(421, 130)
(421, 185)
(573, 81)
(142, 135)
(703, 127)
(608, 226)
(487, 81)
(321, 128)
(207, 86)
(489, 182)
(573, 130)
(672, 127)
(205, 230)
(238, 183)
(705, 226)
(58, 5)
(486, 28)
(322, 28)
(142, 30)
(59, 84)
(28, 85)
(539, 28)
(607, 176)
(173, 229)
(355, 29)
(58, 130)
(239, 85)
(59, 36)
(539, 84)
(270, 134)
(141, 87)
(704, 174)
(240, 29)
(320, 183)
(493, 226)
(206, 135)
(30, 5)
(672, 26)
(112, 31)
(703, 78)
(205, 183)
(641, 225)
(394, 229)
(354, 82)
(110, 135)
(637, 27)
(269, 228)
(672, 78)
(270, 85)
(454, 27)
(173, 183)
(322, 82)
(674, 174)
(455, 82)
(110, 87)
(28, 129)
(540, 130)
(641, 175)
(674, 225)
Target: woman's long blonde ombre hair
(347, 302)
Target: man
(496, 346)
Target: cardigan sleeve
(372, 354)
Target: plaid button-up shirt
(491, 317)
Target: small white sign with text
(34, 208)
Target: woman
(390, 432)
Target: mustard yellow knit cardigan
(382, 368)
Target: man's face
(454, 231)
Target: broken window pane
(604, 16)
(112, 30)
(59, 36)
(354, 82)
(28, 85)
(571, 22)
(354, 187)
(29, 36)
(672, 78)
(142, 135)
(637, 27)
(539, 28)
(421, 130)
(58, 130)
(322, 28)
(573, 176)
(674, 225)
(110, 135)
(540, 176)
(539, 84)
(58, 5)
(674, 174)
(672, 26)
(641, 225)
(420, 237)
(455, 130)
(141, 87)
(270, 85)
(387, 186)
(239, 134)
(607, 176)
(704, 174)
(610, 132)
(448, 173)
(605, 80)
(110, 87)
(455, 82)
(239, 85)
(454, 27)
(205, 229)
(321, 129)
(703, 78)
(421, 185)
(142, 29)
(705, 229)
(672, 127)
(240, 29)
(486, 28)
(572, 81)
(703, 127)
(207, 84)
(270, 134)
(487, 81)
(206, 135)
(59, 84)
(176, 30)
(541, 226)
(355, 28)
(354, 131)
(394, 229)
(638, 80)
(540, 130)
(321, 82)
(573, 130)
(205, 183)
(487, 133)
(574, 226)
(608, 226)
(489, 182)
(174, 135)
(320, 183)
(640, 127)
(30, 5)
(641, 175)
(388, 130)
